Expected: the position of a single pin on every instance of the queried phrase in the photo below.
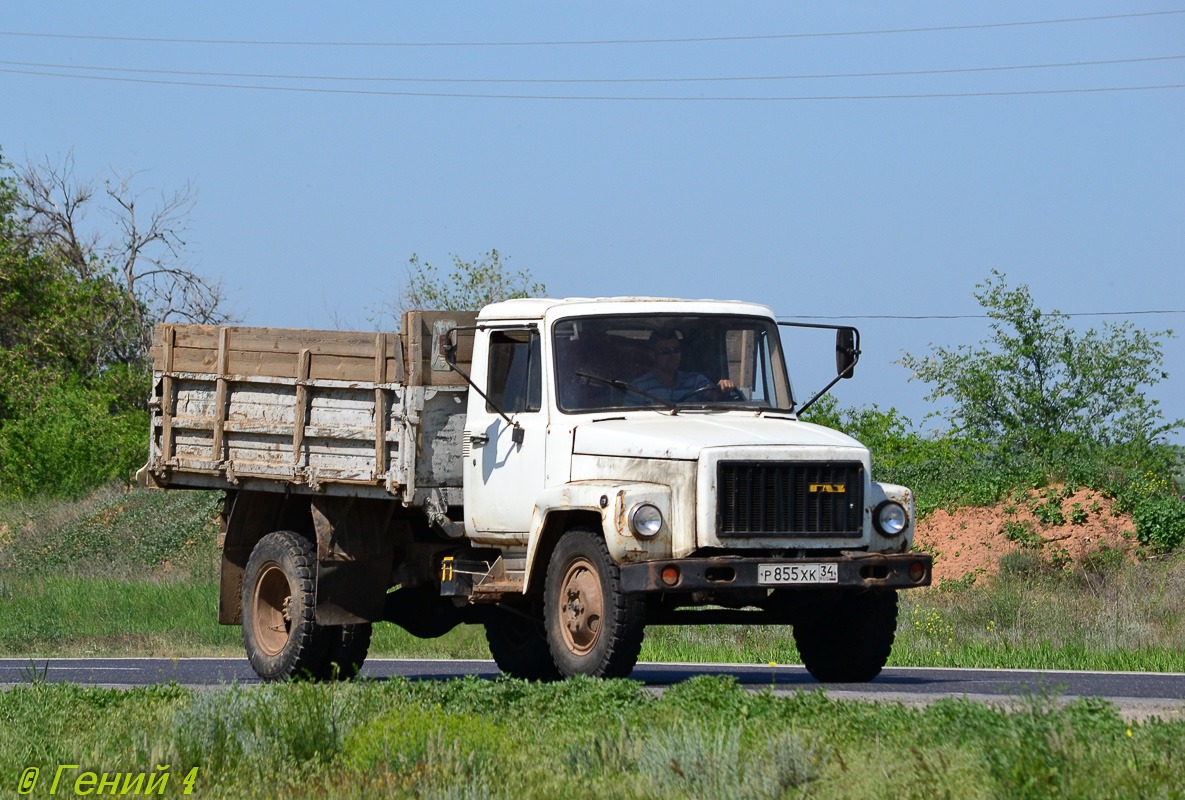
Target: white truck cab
(564, 472)
(667, 429)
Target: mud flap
(354, 555)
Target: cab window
(515, 382)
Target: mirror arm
(846, 373)
(834, 381)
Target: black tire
(345, 650)
(280, 635)
(519, 646)
(848, 639)
(593, 627)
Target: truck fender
(611, 502)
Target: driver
(665, 380)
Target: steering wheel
(732, 394)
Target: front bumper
(728, 573)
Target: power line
(977, 316)
(564, 42)
(382, 79)
(622, 98)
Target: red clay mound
(1063, 525)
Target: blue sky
(309, 204)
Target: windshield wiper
(674, 409)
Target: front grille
(764, 498)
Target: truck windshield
(634, 361)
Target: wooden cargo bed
(339, 412)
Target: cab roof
(538, 307)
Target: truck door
(503, 477)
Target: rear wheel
(345, 650)
(593, 627)
(847, 639)
(519, 647)
(279, 632)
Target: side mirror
(845, 352)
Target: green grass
(134, 573)
(584, 738)
(113, 533)
(47, 616)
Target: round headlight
(645, 520)
(890, 518)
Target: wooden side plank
(302, 406)
(166, 401)
(269, 340)
(412, 332)
(220, 397)
(380, 405)
(333, 355)
(198, 345)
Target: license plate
(797, 573)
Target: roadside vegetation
(470, 738)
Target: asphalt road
(1138, 694)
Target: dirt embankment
(1065, 525)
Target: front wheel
(519, 646)
(847, 638)
(593, 627)
(280, 635)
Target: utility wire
(556, 43)
(476, 95)
(977, 316)
(379, 79)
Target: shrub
(1023, 563)
(1022, 533)
(1104, 560)
(696, 762)
(1049, 510)
(70, 439)
(1160, 521)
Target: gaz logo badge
(827, 488)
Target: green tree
(1037, 385)
(468, 285)
(73, 377)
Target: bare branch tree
(54, 203)
(148, 252)
(150, 255)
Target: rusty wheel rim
(582, 607)
(272, 609)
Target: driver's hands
(726, 385)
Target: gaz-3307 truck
(563, 472)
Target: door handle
(478, 439)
